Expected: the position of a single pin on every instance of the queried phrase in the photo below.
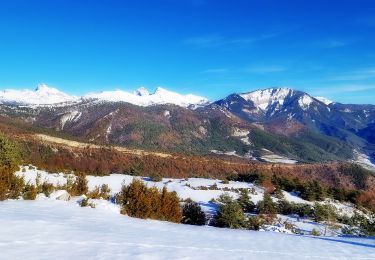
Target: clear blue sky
(205, 47)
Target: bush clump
(47, 188)
(11, 186)
(79, 186)
(137, 200)
(156, 177)
(267, 206)
(244, 200)
(230, 213)
(267, 209)
(324, 212)
(313, 190)
(254, 222)
(314, 232)
(85, 203)
(192, 214)
(29, 192)
(100, 193)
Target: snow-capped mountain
(142, 97)
(287, 111)
(142, 91)
(266, 98)
(42, 95)
(266, 104)
(272, 100)
(324, 100)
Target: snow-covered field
(48, 228)
(200, 190)
(51, 229)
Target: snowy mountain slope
(289, 112)
(276, 103)
(142, 97)
(42, 95)
(273, 101)
(324, 100)
(264, 99)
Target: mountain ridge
(258, 125)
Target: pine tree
(10, 155)
(11, 186)
(230, 213)
(192, 214)
(136, 203)
(267, 206)
(170, 206)
(244, 200)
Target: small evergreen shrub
(29, 192)
(278, 193)
(137, 200)
(100, 193)
(290, 226)
(254, 223)
(156, 177)
(85, 203)
(285, 207)
(79, 186)
(266, 206)
(192, 214)
(324, 212)
(312, 191)
(11, 186)
(225, 182)
(304, 210)
(314, 232)
(244, 200)
(230, 213)
(47, 188)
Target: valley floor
(52, 229)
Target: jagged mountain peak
(160, 90)
(264, 98)
(43, 88)
(270, 100)
(42, 95)
(142, 91)
(45, 95)
(141, 97)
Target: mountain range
(45, 95)
(274, 124)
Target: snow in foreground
(50, 229)
(199, 190)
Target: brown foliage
(79, 186)
(100, 193)
(141, 202)
(11, 186)
(106, 160)
(30, 192)
(367, 199)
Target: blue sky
(205, 47)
